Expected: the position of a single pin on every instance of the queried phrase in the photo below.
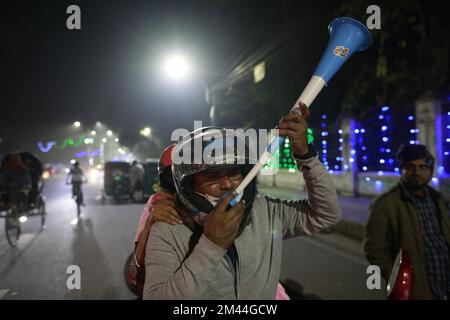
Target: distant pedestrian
(136, 177)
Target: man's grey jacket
(208, 272)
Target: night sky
(107, 71)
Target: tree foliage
(410, 54)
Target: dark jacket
(393, 224)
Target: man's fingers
(296, 126)
(166, 204)
(285, 120)
(293, 135)
(175, 217)
(169, 207)
(166, 208)
(167, 217)
(224, 202)
(302, 110)
(237, 211)
(167, 201)
(292, 116)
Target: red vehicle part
(401, 281)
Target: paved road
(328, 266)
(353, 209)
(98, 244)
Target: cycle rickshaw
(17, 203)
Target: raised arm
(321, 210)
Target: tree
(411, 54)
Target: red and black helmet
(218, 149)
(166, 159)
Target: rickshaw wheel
(12, 229)
(42, 212)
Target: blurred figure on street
(136, 176)
(76, 178)
(159, 207)
(16, 173)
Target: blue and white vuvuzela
(347, 36)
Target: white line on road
(3, 292)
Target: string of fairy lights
(445, 168)
(375, 146)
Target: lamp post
(177, 68)
(211, 105)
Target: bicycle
(77, 195)
(12, 222)
(17, 207)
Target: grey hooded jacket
(207, 273)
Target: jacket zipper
(235, 272)
(238, 276)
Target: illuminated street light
(104, 140)
(77, 124)
(45, 175)
(88, 141)
(176, 67)
(146, 132)
(116, 139)
(109, 133)
(72, 161)
(93, 132)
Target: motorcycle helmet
(209, 149)
(164, 169)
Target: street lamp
(116, 140)
(177, 67)
(145, 132)
(109, 133)
(93, 132)
(77, 124)
(88, 140)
